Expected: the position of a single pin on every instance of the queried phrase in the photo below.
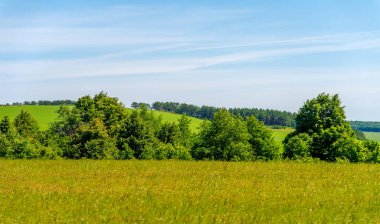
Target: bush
(351, 149)
(374, 151)
(298, 147)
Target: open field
(47, 114)
(172, 117)
(372, 136)
(43, 114)
(280, 134)
(88, 191)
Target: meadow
(43, 114)
(373, 136)
(47, 114)
(89, 191)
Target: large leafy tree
(323, 120)
(138, 133)
(224, 138)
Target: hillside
(43, 114)
(47, 114)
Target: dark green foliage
(297, 146)
(92, 141)
(269, 117)
(370, 126)
(261, 140)
(47, 102)
(169, 133)
(138, 105)
(25, 124)
(139, 133)
(22, 141)
(374, 151)
(228, 137)
(5, 125)
(320, 113)
(323, 133)
(349, 149)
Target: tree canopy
(323, 133)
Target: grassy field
(43, 114)
(88, 191)
(372, 136)
(172, 117)
(280, 134)
(47, 114)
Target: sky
(262, 54)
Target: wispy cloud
(174, 57)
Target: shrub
(298, 147)
(351, 149)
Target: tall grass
(86, 191)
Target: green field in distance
(47, 114)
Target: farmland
(89, 191)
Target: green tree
(5, 125)
(225, 138)
(169, 133)
(298, 147)
(92, 141)
(321, 113)
(25, 124)
(185, 131)
(138, 133)
(323, 119)
(261, 140)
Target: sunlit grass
(43, 114)
(375, 136)
(88, 191)
(47, 114)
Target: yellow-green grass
(43, 114)
(375, 136)
(279, 136)
(173, 117)
(88, 191)
(47, 114)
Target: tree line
(42, 102)
(370, 126)
(269, 117)
(100, 127)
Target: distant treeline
(269, 117)
(370, 126)
(43, 102)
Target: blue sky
(265, 54)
